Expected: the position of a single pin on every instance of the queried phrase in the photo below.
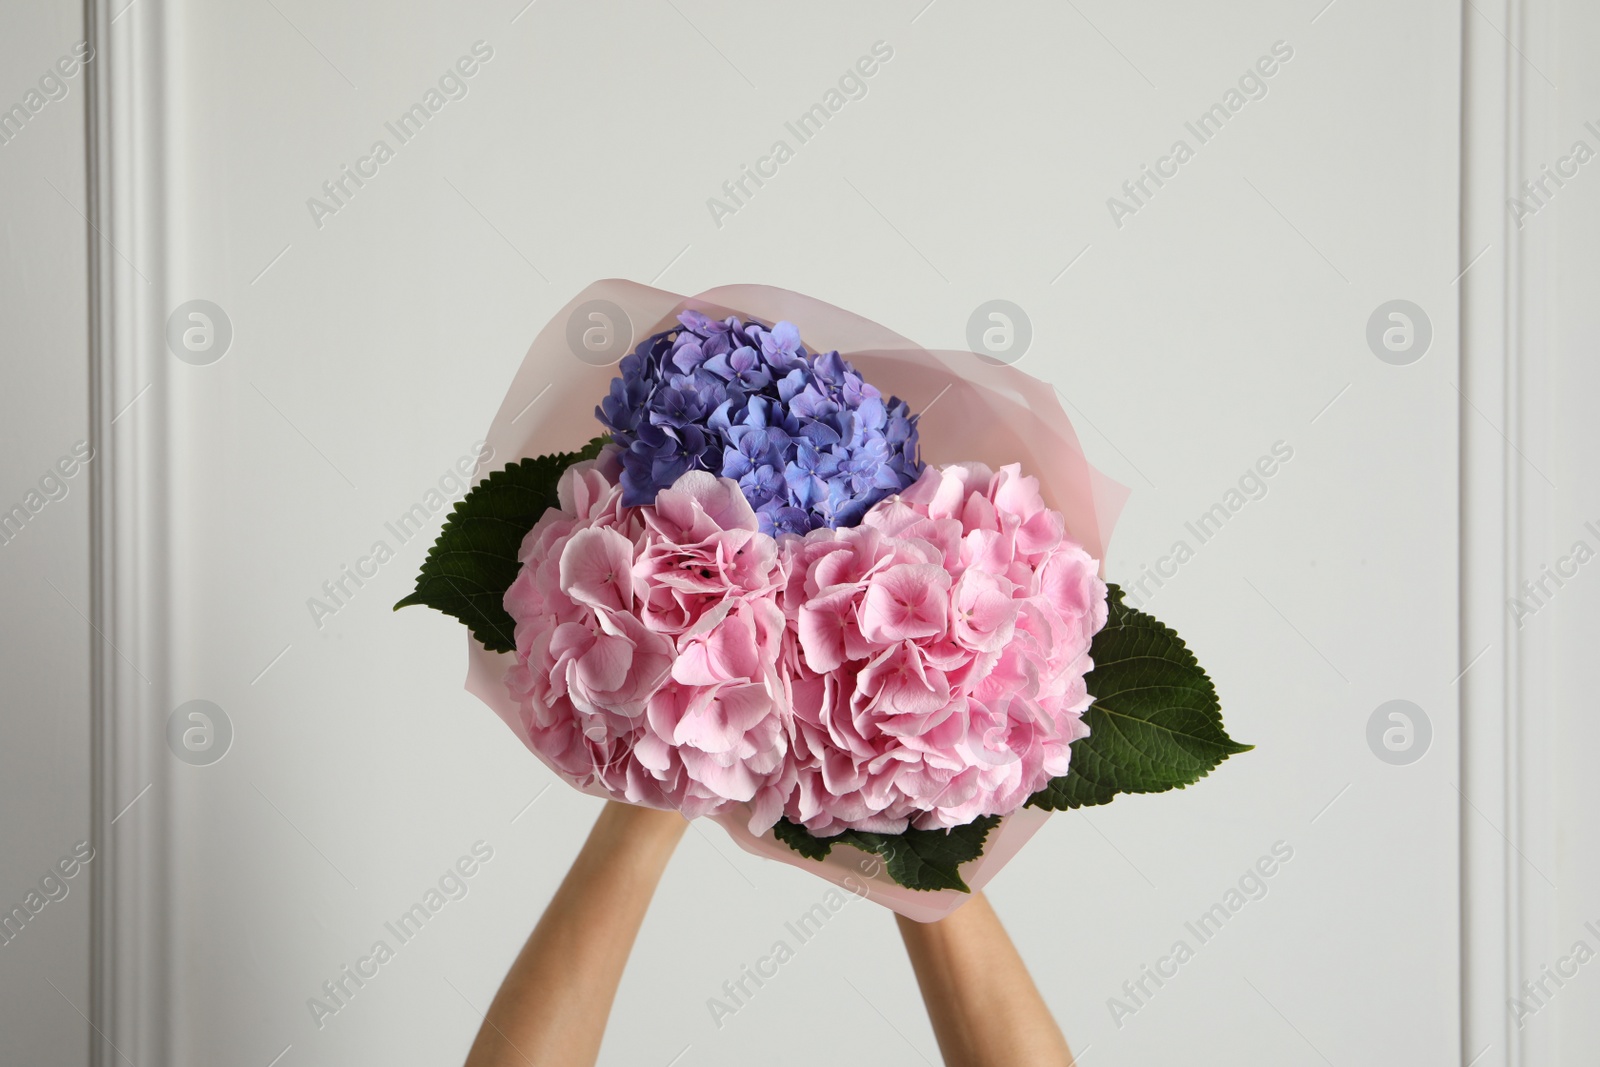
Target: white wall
(44, 564)
(1223, 317)
(1228, 314)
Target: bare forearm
(552, 1007)
(984, 1007)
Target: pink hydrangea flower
(922, 669)
(938, 654)
(647, 643)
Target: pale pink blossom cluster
(922, 669)
(649, 641)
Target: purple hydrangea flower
(810, 443)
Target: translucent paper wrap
(972, 409)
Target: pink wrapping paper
(971, 409)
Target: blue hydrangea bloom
(809, 442)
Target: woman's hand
(985, 1009)
(552, 1007)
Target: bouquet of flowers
(754, 597)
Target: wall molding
(129, 973)
(1503, 906)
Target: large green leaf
(1155, 723)
(474, 561)
(917, 859)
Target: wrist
(640, 826)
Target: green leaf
(474, 561)
(925, 860)
(795, 836)
(1155, 723)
